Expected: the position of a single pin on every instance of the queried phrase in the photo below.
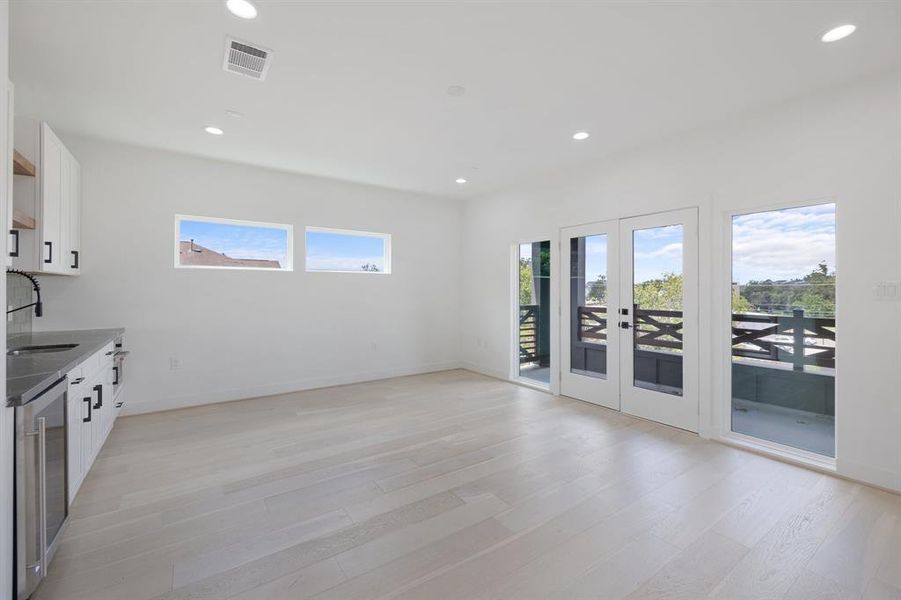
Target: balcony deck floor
(797, 428)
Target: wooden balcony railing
(795, 339)
(528, 333)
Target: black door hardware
(87, 419)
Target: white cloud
(784, 244)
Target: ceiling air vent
(245, 59)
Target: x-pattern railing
(796, 339)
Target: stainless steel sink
(26, 350)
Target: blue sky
(238, 241)
(342, 252)
(782, 244)
(657, 251)
(779, 244)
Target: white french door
(590, 275)
(630, 318)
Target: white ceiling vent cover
(246, 59)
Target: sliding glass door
(533, 326)
(783, 327)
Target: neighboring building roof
(192, 253)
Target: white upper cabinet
(73, 240)
(52, 198)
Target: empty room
(451, 299)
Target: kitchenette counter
(30, 374)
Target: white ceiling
(358, 90)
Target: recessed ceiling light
(460, 180)
(242, 8)
(213, 130)
(838, 33)
(581, 135)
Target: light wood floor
(454, 485)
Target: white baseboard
(471, 366)
(300, 385)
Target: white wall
(7, 415)
(842, 145)
(240, 334)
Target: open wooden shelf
(22, 221)
(22, 166)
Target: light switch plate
(887, 291)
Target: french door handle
(625, 325)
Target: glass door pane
(657, 302)
(534, 323)
(588, 305)
(783, 327)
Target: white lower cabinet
(91, 413)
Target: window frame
(386, 238)
(722, 423)
(289, 228)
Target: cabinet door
(75, 411)
(87, 428)
(100, 409)
(109, 408)
(73, 256)
(54, 180)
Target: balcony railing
(528, 333)
(795, 339)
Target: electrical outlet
(174, 363)
(887, 291)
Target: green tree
(815, 293)
(597, 291)
(660, 294)
(740, 304)
(525, 281)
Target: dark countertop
(28, 376)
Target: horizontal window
(343, 251)
(210, 243)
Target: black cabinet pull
(75, 254)
(76, 381)
(87, 419)
(50, 246)
(15, 234)
(116, 373)
(99, 389)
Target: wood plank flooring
(454, 485)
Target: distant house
(192, 253)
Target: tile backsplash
(19, 293)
